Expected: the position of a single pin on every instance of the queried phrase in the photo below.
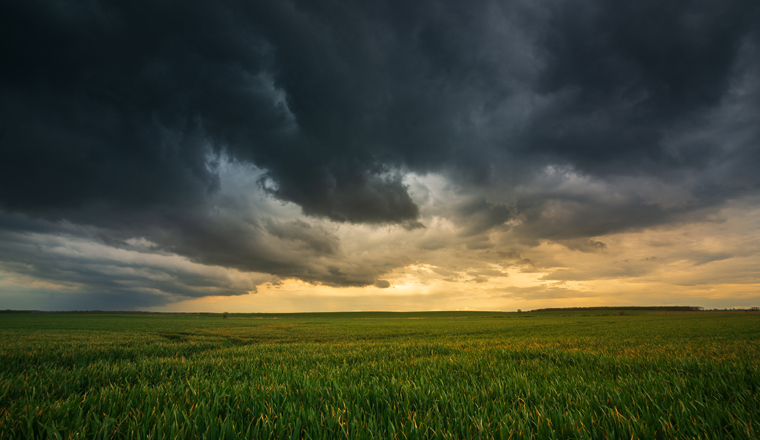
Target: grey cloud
(482, 275)
(316, 239)
(448, 274)
(480, 215)
(487, 273)
(621, 270)
(701, 259)
(285, 249)
(572, 219)
(584, 245)
(88, 267)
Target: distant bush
(225, 315)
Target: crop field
(380, 375)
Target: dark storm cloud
(627, 73)
(119, 114)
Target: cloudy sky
(387, 155)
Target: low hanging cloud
(278, 138)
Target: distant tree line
(643, 308)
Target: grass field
(380, 375)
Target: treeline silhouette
(642, 308)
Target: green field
(381, 375)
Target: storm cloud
(253, 135)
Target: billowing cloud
(341, 145)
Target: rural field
(381, 375)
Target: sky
(326, 155)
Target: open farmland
(380, 375)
